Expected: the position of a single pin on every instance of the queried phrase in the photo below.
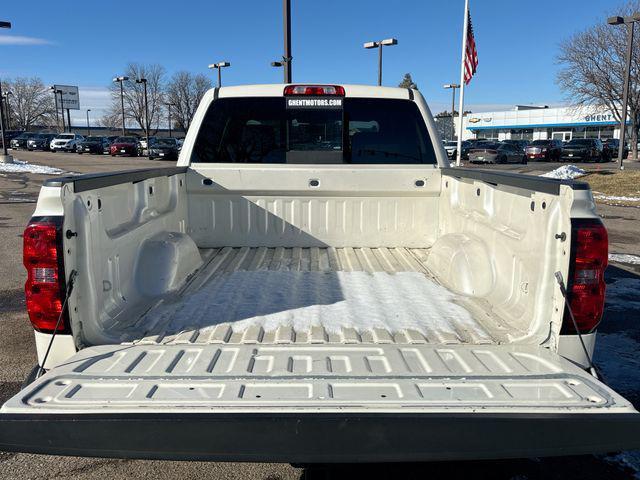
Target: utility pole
(143, 81)
(452, 86)
(5, 157)
(169, 105)
(121, 80)
(56, 92)
(629, 22)
(287, 58)
(219, 66)
(88, 126)
(68, 119)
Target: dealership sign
(70, 96)
(604, 117)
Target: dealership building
(541, 123)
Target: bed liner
(314, 295)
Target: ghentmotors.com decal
(314, 102)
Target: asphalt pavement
(616, 351)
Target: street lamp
(378, 45)
(219, 66)
(7, 108)
(143, 81)
(88, 126)
(169, 105)
(453, 87)
(120, 80)
(629, 22)
(56, 92)
(4, 158)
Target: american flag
(471, 54)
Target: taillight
(333, 90)
(44, 289)
(586, 286)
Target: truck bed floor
(311, 295)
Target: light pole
(378, 45)
(169, 105)
(453, 87)
(629, 22)
(7, 109)
(121, 80)
(88, 126)
(56, 92)
(5, 157)
(219, 66)
(143, 81)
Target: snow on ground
(565, 172)
(624, 258)
(25, 167)
(600, 196)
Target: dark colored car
(548, 150)
(522, 144)
(10, 135)
(497, 153)
(451, 147)
(98, 145)
(164, 149)
(40, 141)
(584, 149)
(611, 147)
(124, 146)
(21, 141)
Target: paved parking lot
(618, 342)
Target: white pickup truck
(314, 283)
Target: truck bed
(312, 295)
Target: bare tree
(592, 70)
(30, 103)
(134, 95)
(184, 93)
(112, 118)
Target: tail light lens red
(586, 286)
(331, 90)
(44, 289)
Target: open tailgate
(317, 403)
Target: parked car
(585, 150)
(20, 141)
(10, 135)
(367, 304)
(65, 142)
(522, 144)
(548, 150)
(97, 145)
(143, 142)
(611, 147)
(497, 153)
(164, 149)
(40, 141)
(452, 149)
(125, 146)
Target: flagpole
(462, 61)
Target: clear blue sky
(87, 43)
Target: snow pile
(336, 300)
(25, 167)
(565, 172)
(624, 258)
(613, 198)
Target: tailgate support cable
(67, 293)
(563, 290)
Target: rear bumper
(319, 438)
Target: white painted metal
(317, 378)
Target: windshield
(65, 137)
(93, 139)
(265, 130)
(579, 142)
(125, 140)
(451, 144)
(540, 142)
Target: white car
(65, 142)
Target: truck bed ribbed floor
(311, 295)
